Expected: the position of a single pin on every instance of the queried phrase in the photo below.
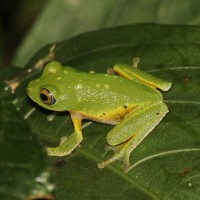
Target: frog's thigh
(137, 120)
(133, 130)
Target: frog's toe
(112, 148)
(127, 160)
(101, 165)
(63, 140)
(110, 71)
(122, 152)
(135, 61)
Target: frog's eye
(47, 97)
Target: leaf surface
(166, 164)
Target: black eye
(47, 97)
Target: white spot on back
(107, 86)
(78, 86)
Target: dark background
(16, 18)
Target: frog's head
(46, 90)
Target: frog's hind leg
(135, 74)
(132, 130)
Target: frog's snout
(29, 91)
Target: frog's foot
(121, 151)
(52, 151)
(66, 146)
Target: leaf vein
(162, 154)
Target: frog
(127, 98)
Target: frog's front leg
(68, 145)
(135, 74)
(132, 130)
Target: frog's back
(114, 90)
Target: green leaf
(166, 164)
(66, 18)
(23, 163)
